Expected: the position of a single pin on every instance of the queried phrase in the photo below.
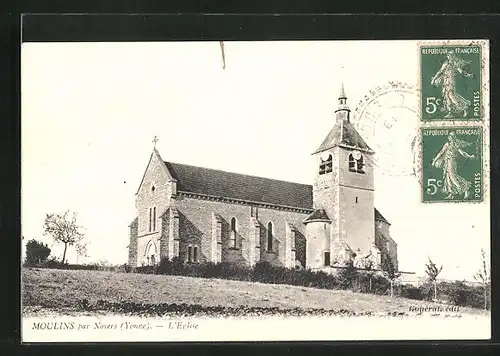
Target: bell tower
(344, 187)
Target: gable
(156, 171)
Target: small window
(356, 199)
(153, 261)
(327, 258)
(270, 236)
(326, 165)
(195, 254)
(233, 233)
(190, 254)
(154, 218)
(153, 188)
(150, 216)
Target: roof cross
(155, 139)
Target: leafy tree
(390, 272)
(432, 272)
(348, 275)
(368, 265)
(36, 252)
(64, 229)
(483, 276)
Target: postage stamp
(452, 164)
(450, 82)
(232, 192)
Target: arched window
(154, 218)
(352, 163)
(151, 253)
(361, 165)
(356, 165)
(150, 216)
(270, 236)
(233, 233)
(195, 254)
(190, 254)
(326, 165)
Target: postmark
(450, 82)
(452, 160)
(387, 117)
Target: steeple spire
(343, 110)
(342, 92)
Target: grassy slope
(62, 289)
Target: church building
(201, 214)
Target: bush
(348, 276)
(461, 294)
(410, 292)
(36, 252)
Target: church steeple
(343, 112)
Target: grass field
(67, 292)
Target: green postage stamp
(451, 82)
(452, 164)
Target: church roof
(343, 134)
(250, 188)
(380, 217)
(318, 214)
(240, 186)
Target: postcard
(255, 191)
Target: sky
(89, 113)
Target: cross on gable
(155, 139)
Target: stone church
(201, 214)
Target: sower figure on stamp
(446, 159)
(445, 78)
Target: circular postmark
(387, 118)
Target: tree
(432, 273)
(348, 275)
(390, 272)
(368, 265)
(483, 276)
(36, 252)
(64, 229)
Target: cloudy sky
(91, 110)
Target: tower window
(232, 237)
(270, 236)
(356, 199)
(360, 165)
(356, 165)
(326, 165)
(190, 254)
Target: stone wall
(197, 223)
